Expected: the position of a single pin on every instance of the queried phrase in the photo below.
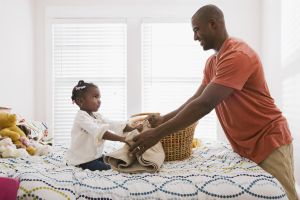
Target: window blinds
(172, 67)
(93, 52)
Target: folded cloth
(150, 161)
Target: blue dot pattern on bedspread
(213, 171)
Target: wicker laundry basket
(177, 146)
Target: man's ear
(212, 23)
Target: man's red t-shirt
(251, 121)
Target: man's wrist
(160, 132)
(163, 119)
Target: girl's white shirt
(86, 137)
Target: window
(172, 68)
(172, 65)
(93, 52)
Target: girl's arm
(129, 128)
(113, 137)
(115, 126)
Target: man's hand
(144, 141)
(155, 120)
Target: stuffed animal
(41, 149)
(8, 128)
(9, 150)
(196, 143)
(25, 143)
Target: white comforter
(212, 172)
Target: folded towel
(150, 161)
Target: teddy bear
(8, 128)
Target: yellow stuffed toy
(8, 128)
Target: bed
(213, 171)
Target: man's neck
(220, 42)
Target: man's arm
(196, 109)
(211, 96)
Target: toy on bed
(36, 130)
(14, 139)
(9, 150)
(9, 129)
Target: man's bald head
(209, 27)
(208, 12)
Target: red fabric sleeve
(233, 70)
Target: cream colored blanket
(150, 161)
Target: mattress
(213, 171)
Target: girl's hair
(80, 89)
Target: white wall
(16, 56)
(276, 73)
(271, 47)
(241, 22)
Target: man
(234, 85)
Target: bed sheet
(213, 171)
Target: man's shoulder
(235, 40)
(236, 44)
(238, 47)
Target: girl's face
(91, 100)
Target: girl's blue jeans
(97, 164)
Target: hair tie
(80, 87)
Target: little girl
(91, 129)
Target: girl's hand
(128, 128)
(123, 139)
(139, 127)
(113, 137)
